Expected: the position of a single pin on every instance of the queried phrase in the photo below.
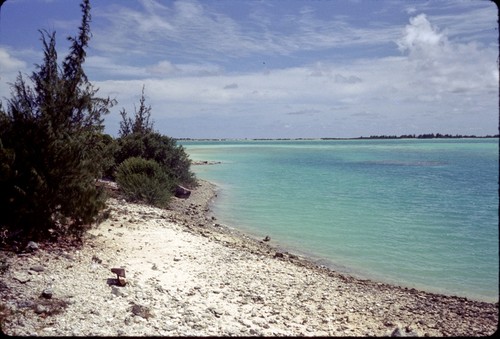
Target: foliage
(108, 147)
(51, 144)
(160, 148)
(144, 180)
(138, 139)
(141, 123)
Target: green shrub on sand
(144, 180)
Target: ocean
(420, 213)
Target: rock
(47, 293)
(96, 259)
(397, 332)
(279, 255)
(169, 327)
(182, 192)
(408, 331)
(25, 304)
(37, 268)
(22, 278)
(116, 291)
(32, 246)
(39, 309)
(217, 312)
(138, 320)
(141, 311)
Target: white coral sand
(187, 277)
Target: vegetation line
(53, 150)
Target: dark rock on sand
(182, 192)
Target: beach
(187, 275)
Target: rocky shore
(186, 275)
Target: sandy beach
(186, 275)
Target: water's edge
(283, 245)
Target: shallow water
(419, 213)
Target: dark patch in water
(405, 163)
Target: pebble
(32, 246)
(21, 277)
(25, 303)
(47, 293)
(117, 291)
(226, 290)
(40, 309)
(37, 268)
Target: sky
(277, 68)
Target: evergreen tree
(141, 123)
(48, 136)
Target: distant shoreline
(372, 137)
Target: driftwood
(120, 276)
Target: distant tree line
(427, 136)
(404, 136)
(53, 150)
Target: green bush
(144, 180)
(138, 139)
(160, 148)
(107, 146)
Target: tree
(141, 123)
(48, 137)
(138, 139)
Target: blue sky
(278, 68)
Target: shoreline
(332, 265)
(189, 276)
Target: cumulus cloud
(8, 63)
(420, 35)
(441, 66)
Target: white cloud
(164, 67)
(8, 63)
(194, 31)
(99, 66)
(196, 60)
(10, 67)
(231, 86)
(438, 65)
(421, 36)
(448, 81)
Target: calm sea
(417, 213)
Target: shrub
(160, 148)
(144, 180)
(108, 146)
(49, 130)
(138, 139)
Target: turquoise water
(418, 213)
